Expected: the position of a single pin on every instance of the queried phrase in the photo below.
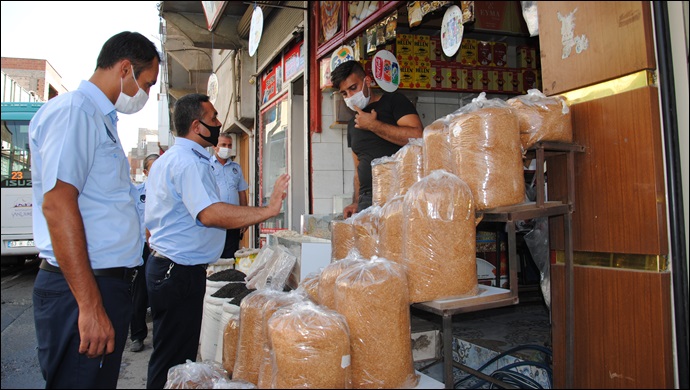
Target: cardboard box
(426, 345)
(312, 255)
(467, 55)
(485, 53)
(407, 75)
(500, 54)
(529, 79)
(422, 47)
(422, 75)
(404, 47)
(526, 57)
(503, 16)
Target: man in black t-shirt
(382, 124)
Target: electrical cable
(513, 377)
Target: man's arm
(243, 202)
(352, 207)
(66, 227)
(409, 126)
(228, 216)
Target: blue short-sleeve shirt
(179, 186)
(73, 138)
(230, 180)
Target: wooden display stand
(493, 297)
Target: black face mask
(215, 133)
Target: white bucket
(213, 308)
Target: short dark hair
(344, 70)
(187, 110)
(131, 46)
(148, 160)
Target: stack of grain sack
(429, 196)
(348, 326)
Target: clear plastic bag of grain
(342, 238)
(373, 297)
(328, 276)
(383, 179)
(252, 336)
(365, 224)
(440, 245)
(542, 118)
(273, 304)
(436, 152)
(485, 144)
(410, 164)
(310, 286)
(231, 336)
(390, 230)
(195, 375)
(310, 347)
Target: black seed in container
(238, 299)
(230, 290)
(227, 275)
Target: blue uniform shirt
(141, 203)
(73, 138)
(179, 186)
(230, 180)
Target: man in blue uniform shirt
(140, 297)
(187, 221)
(232, 187)
(85, 219)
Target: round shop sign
(451, 30)
(255, 30)
(212, 88)
(342, 54)
(386, 70)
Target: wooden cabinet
(584, 43)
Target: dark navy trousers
(176, 296)
(56, 315)
(140, 299)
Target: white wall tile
(327, 104)
(327, 156)
(323, 205)
(327, 183)
(329, 134)
(348, 164)
(427, 113)
(348, 185)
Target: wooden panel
(619, 179)
(618, 35)
(623, 334)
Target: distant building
(147, 143)
(37, 77)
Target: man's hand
(275, 204)
(96, 333)
(349, 210)
(365, 120)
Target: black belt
(119, 272)
(157, 255)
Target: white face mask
(225, 153)
(358, 100)
(130, 104)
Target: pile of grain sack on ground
(349, 325)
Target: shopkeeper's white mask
(358, 100)
(225, 153)
(130, 104)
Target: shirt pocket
(111, 168)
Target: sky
(70, 34)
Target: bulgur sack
(383, 179)
(485, 144)
(410, 164)
(390, 230)
(310, 348)
(436, 151)
(365, 225)
(327, 280)
(372, 295)
(439, 233)
(542, 118)
(342, 238)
